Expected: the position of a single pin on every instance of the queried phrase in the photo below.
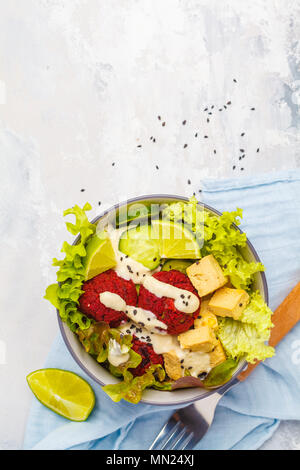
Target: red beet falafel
(148, 356)
(89, 302)
(163, 307)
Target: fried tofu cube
(217, 355)
(206, 318)
(227, 302)
(172, 365)
(200, 339)
(206, 275)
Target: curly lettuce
(96, 341)
(70, 276)
(242, 340)
(221, 238)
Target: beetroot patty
(148, 356)
(164, 308)
(89, 302)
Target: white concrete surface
(82, 83)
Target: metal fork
(188, 425)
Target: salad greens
(96, 339)
(217, 235)
(65, 293)
(246, 337)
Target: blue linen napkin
(252, 409)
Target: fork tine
(172, 435)
(180, 436)
(164, 433)
(186, 442)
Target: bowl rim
(243, 366)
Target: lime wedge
(100, 255)
(162, 239)
(176, 241)
(63, 392)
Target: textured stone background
(81, 85)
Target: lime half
(100, 255)
(160, 239)
(63, 392)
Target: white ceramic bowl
(100, 375)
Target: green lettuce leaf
(131, 388)
(243, 340)
(219, 237)
(70, 276)
(258, 314)
(220, 374)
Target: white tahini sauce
(184, 300)
(126, 267)
(142, 323)
(141, 317)
(195, 362)
(117, 354)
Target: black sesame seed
(235, 81)
(252, 109)
(189, 181)
(242, 169)
(189, 296)
(139, 146)
(210, 113)
(234, 167)
(82, 190)
(148, 319)
(182, 367)
(229, 103)
(241, 305)
(257, 150)
(113, 164)
(99, 203)
(182, 296)
(225, 107)
(134, 312)
(196, 135)
(159, 118)
(190, 368)
(185, 146)
(157, 167)
(206, 109)
(220, 109)
(163, 124)
(151, 137)
(154, 140)
(182, 361)
(206, 137)
(215, 151)
(242, 150)
(242, 134)
(184, 122)
(212, 107)
(207, 120)
(154, 259)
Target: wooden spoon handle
(285, 317)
